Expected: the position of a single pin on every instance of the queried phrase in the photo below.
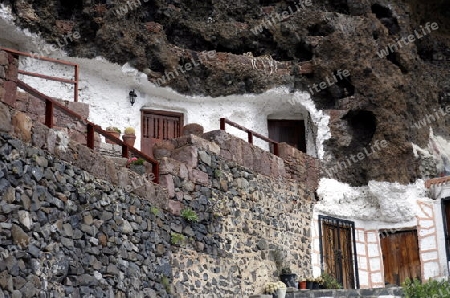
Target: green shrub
(431, 289)
(139, 162)
(154, 211)
(166, 283)
(176, 238)
(189, 214)
(329, 282)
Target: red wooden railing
(74, 82)
(51, 104)
(250, 133)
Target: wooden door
(290, 131)
(337, 252)
(400, 256)
(157, 126)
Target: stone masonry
(74, 223)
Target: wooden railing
(250, 133)
(73, 82)
(51, 104)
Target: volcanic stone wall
(65, 233)
(250, 225)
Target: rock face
(381, 99)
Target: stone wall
(35, 109)
(290, 164)
(245, 220)
(64, 233)
(71, 233)
(98, 233)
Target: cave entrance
(157, 126)
(291, 132)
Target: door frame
(353, 253)
(446, 232)
(162, 113)
(302, 138)
(144, 111)
(384, 233)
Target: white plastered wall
(105, 87)
(386, 207)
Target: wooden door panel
(158, 126)
(400, 257)
(337, 253)
(291, 132)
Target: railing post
(275, 149)
(250, 136)
(75, 85)
(155, 171)
(49, 113)
(125, 151)
(222, 123)
(90, 136)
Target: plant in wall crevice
(189, 215)
(176, 238)
(154, 211)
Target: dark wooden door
(290, 131)
(337, 256)
(400, 256)
(157, 126)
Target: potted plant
(329, 282)
(289, 278)
(113, 131)
(137, 165)
(302, 284)
(277, 289)
(318, 283)
(309, 283)
(129, 136)
(163, 149)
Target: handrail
(250, 133)
(50, 104)
(36, 56)
(435, 181)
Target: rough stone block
(22, 126)
(2, 72)
(175, 207)
(80, 108)
(167, 182)
(3, 58)
(10, 93)
(36, 106)
(5, 119)
(187, 155)
(11, 72)
(199, 177)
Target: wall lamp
(132, 96)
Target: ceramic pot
(290, 280)
(129, 139)
(281, 293)
(114, 133)
(302, 285)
